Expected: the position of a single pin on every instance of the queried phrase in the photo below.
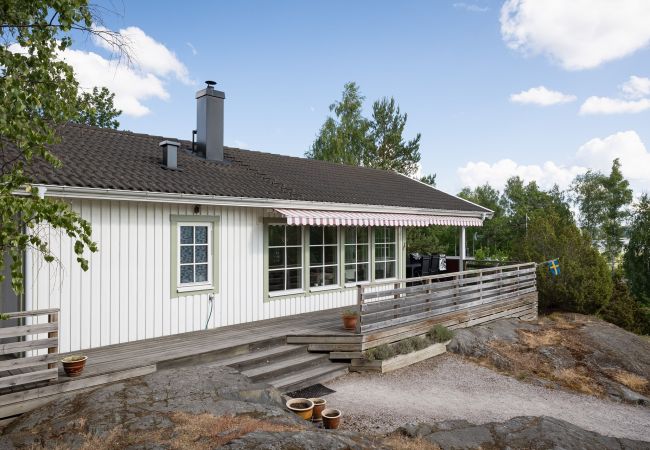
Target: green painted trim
(216, 246)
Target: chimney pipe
(209, 122)
(170, 154)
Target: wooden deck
(122, 361)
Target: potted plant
(74, 364)
(350, 318)
(331, 418)
(303, 407)
(319, 406)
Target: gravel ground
(448, 387)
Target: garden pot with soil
(350, 318)
(319, 406)
(331, 418)
(74, 364)
(303, 407)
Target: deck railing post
(360, 307)
(53, 318)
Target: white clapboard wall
(125, 295)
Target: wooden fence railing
(33, 368)
(385, 304)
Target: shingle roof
(103, 158)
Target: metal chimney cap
(211, 83)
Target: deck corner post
(53, 318)
(359, 306)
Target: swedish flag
(554, 266)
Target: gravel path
(448, 387)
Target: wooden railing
(34, 368)
(385, 304)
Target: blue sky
(450, 65)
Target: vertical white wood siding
(125, 295)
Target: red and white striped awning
(313, 217)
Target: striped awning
(369, 219)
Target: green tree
(429, 179)
(603, 202)
(96, 108)
(636, 260)
(38, 94)
(349, 138)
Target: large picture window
(194, 254)
(357, 254)
(285, 258)
(323, 256)
(385, 253)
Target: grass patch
(578, 379)
(399, 442)
(631, 380)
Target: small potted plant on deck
(74, 364)
(350, 318)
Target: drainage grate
(315, 390)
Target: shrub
(350, 312)
(381, 352)
(440, 334)
(624, 311)
(420, 342)
(405, 346)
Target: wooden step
(281, 367)
(304, 378)
(262, 357)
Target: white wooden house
(195, 235)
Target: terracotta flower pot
(301, 406)
(74, 365)
(319, 406)
(331, 418)
(350, 322)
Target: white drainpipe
(463, 245)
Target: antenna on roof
(210, 83)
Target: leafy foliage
(636, 261)
(380, 353)
(429, 179)
(623, 310)
(96, 108)
(440, 333)
(351, 139)
(38, 93)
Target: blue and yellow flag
(554, 266)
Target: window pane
(331, 236)
(276, 280)
(294, 279)
(187, 254)
(350, 253)
(380, 252)
(294, 236)
(331, 254)
(187, 235)
(362, 253)
(201, 273)
(315, 235)
(331, 275)
(390, 270)
(294, 256)
(390, 251)
(201, 235)
(276, 235)
(276, 258)
(316, 255)
(362, 235)
(362, 272)
(380, 271)
(316, 276)
(379, 234)
(187, 274)
(350, 273)
(201, 253)
(390, 234)
(350, 235)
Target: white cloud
(541, 96)
(578, 34)
(636, 87)
(192, 48)
(597, 154)
(471, 7)
(607, 105)
(150, 55)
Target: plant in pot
(350, 318)
(303, 407)
(331, 418)
(74, 364)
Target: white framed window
(195, 249)
(323, 256)
(284, 258)
(385, 253)
(357, 254)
